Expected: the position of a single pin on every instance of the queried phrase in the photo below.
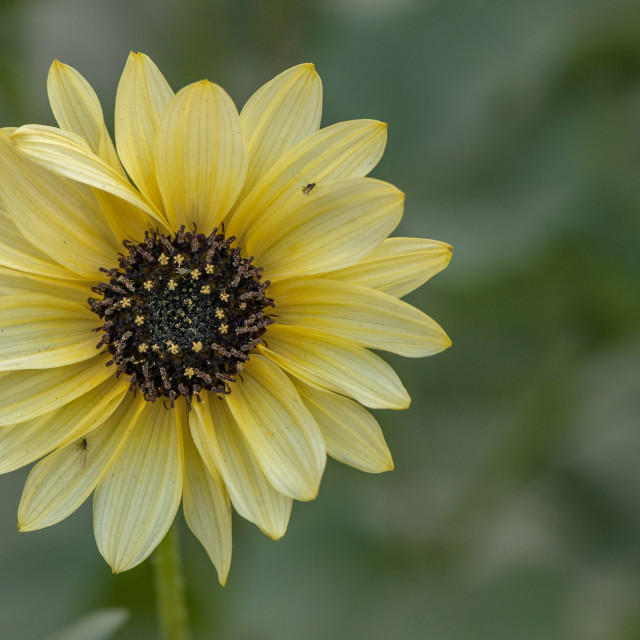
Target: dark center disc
(181, 314)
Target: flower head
(233, 271)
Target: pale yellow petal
(126, 220)
(224, 449)
(372, 318)
(27, 441)
(329, 362)
(60, 217)
(142, 97)
(200, 156)
(335, 226)
(206, 507)
(61, 482)
(32, 393)
(12, 282)
(398, 265)
(279, 429)
(107, 152)
(16, 252)
(76, 108)
(39, 331)
(351, 433)
(69, 156)
(277, 116)
(341, 151)
(136, 502)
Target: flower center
(181, 314)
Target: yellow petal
(136, 502)
(351, 433)
(126, 220)
(61, 482)
(223, 448)
(69, 156)
(344, 150)
(279, 429)
(107, 152)
(372, 318)
(206, 508)
(76, 108)
(29, 394)
(60, 217)
(200, 156)
(27, 441)
(39, 331)
(398, 265)
(328, 362)
(12, 282)
(17, 252)
(143, 95)
(335, 226)
(282, 112)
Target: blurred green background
(514, 509)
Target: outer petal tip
(405, 404)
(57, 66)
(273, 535)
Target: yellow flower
(233, 328)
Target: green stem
(170, 594)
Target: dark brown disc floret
(181, 314)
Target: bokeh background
(514, 509)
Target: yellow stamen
(173, 347)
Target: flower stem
(173, 617)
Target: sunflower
(188, 315)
